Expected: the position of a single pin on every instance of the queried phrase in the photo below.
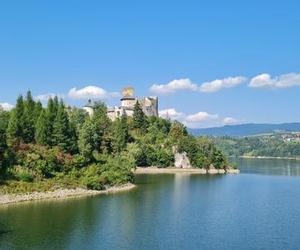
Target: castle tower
(128, 100)
(89, 107)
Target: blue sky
(54, 46)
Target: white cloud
(91, 92)
(216, 85)
(46, 97)
(230, 120)
(6, 106)
(197, 120)
(282, 81)
(170, 113)
(187, 84)
(201, 116)
(173, 86)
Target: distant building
(128, 101)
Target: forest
(44, 148)
(264, 146)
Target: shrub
(24, 175)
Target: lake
(258, 209)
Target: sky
(210, 63)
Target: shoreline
(155, 170)
(268, 157)
(7, 199)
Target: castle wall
(130, 102)
(149, 106)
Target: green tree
(61, 129)
(104, 127)
(88, 137)
(51, 113)
(42, 129)
(139, 118)
(28, 119)
(37, 110)
(4, 119)
(120, 134)
(15, 126)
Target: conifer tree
(4, 118)
(51, 113)
(103, 125)
(14, 131)
(88, 138)
(28, 119)
(61, 129)
(42, 129)
(139, 118)
(37, 110)
(120, 134)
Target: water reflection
(169, 212)
(269, 166)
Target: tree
(4, 119)
(120, 134)
(15, 126)
(177, 132)
(42, 129)
(87, 139)
(77, 118)
(104, 126)
(61, 129)
(37, 110)
(51, 113)
(28, 119)
(139, 118)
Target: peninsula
(58, 147)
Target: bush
(24, 175)
(94, 183)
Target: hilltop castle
(128, 101)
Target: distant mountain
(247, 129)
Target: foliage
(53, 146)
(272, 145)
(202, 152)
(139, 118)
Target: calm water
(258, 209)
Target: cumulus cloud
(91, 92)
(170, 113)
(216, 85)
(6, 106)
(197, 120)
(282, 81)
(201, 116)
(46, 97)
(173, 86)
(230, 120)
(187, 84)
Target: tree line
(64, 143)
(264, 145)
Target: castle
(149, 105)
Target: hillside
(273, 145)
(246, 129)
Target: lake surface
(258, 209)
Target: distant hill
(246, 129)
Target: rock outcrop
(182, 160)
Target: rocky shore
(155, 170)
(60, 194)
